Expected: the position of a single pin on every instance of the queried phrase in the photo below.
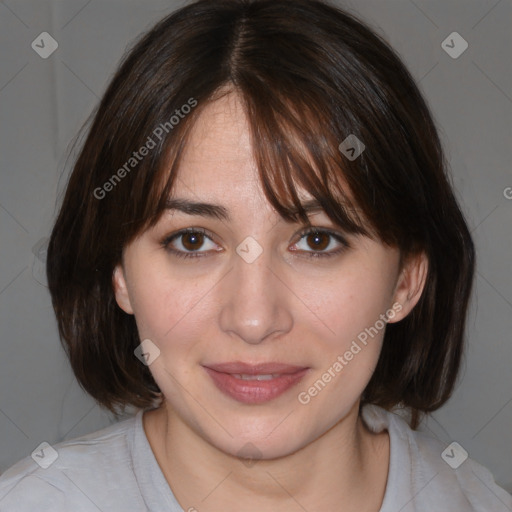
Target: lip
(284, 377)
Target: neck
(344, 469)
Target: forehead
(219, 138)
(218, 159)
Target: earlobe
(410, 284)
(121, 290)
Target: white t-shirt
(114, 469)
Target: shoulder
(425, 474)
(81, 473)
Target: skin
(284, 307)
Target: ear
(121, 290)
(410, 285)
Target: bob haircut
(309, 75)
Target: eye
(190, 243)
(197, 242)
(318, 242)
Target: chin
(254, 448)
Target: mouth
(255, 384)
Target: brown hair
(309, 75)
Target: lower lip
(255, 391)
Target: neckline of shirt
(156, 491)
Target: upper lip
(238, 367)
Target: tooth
(264, 377)
(255, 377)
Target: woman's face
(262, 333)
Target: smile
(255, 384)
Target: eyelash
(307, 231)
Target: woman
(260, 250)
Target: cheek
(348, 328)
(343, 361)
(348, 303)
(164, 306)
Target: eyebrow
(220, 212)
(197, 208)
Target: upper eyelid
(339, 237)
(169, 238)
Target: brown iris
(192, 241)
(318, 241)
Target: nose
(256, 302)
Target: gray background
(43, 103)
